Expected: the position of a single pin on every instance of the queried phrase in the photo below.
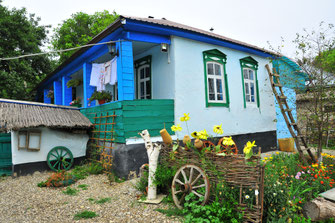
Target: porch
(134, 116)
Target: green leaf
(175, 147)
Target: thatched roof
(15, 115)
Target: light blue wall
(282, 130)
(162, 69)
(190, 92)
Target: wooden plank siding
(135, 116)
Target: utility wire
(58, 51)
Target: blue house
(165, 69)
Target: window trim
(216, 56)
(144, 61)
(250, 63)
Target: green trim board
(250, 63)
(216, 56)
(138, 63)
(135, 116)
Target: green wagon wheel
(60, 158)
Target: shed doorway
(5, 154)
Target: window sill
(212, 104)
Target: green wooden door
(5, 154)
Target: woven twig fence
(235, 170)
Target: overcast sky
(251, 21)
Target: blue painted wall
(291, 78)
(45, 98)
(88, 90)
(58, 92)
(66, 92)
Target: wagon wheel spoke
(54, 155)
(199, 186)
(191, 175)
(196, 193)
(61, 153)
(182, 198)
(184, 175)
(177, 192)
(58, 166)
(65, 162)
(55, 164)
(57, 153)
(196, 179)
(178, 181)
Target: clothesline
(103, 74)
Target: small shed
(37, 136)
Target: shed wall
(76, 143)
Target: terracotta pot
(198, 144)
(186, 139)
(166, 137)
(102, 101)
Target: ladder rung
(287, 110)
(277, 85)
(282, 97)
(274, 74)
(293, 123)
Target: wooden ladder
(287, 114)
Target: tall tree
(20, 34)
(315, 52)
(79, 30)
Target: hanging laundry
(113, 67)
(107, 66)
(95, 74)
(101, 83)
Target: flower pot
(102, 101)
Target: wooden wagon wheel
(228, 149)
(60, 158)
(208, 144)
(190, 179)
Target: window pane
(220, 97)
(147, 71)
(210, 69)
(246, 88)
(142, 73)
(252, 89)
(252, 98)
(245, 74)
(210, 85)
(142, 89)
(247, 98)
(218, 85)
(148, 88)
(211, 96)
(217, 69)
(251, 74)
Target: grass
(172, 211)
(83, 186)
(70, 191)
(85, 215)
(100, 201)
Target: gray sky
(251, 21)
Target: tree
(79, 30)
(21, 34)
(315, 52)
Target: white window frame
(248, 81)
(145, 80)
(215, 78)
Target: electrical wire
(57, 51)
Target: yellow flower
(176, 128)
(185, 118)
(203, 134)
(195, 135)
(218, 129)
(248, 147)
(277, 153)
(228, 141)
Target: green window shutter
(250, 63)
(216, 56)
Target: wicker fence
(235, 170)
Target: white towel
(95, 74)
(113, 70)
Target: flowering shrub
(75, 101)
(58, 179)
(289, 185)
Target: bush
(70, 191)
(81, 172)
(58, 179)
